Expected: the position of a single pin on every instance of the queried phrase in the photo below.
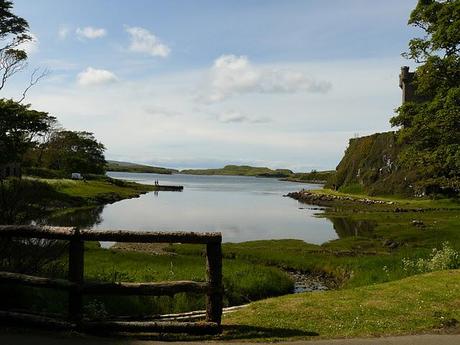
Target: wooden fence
(77, 287)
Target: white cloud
(31, 46)
(143, 41)
(231, 74)
(306, 130)
(160, 111)
(93, 76)
(234, 116)
(63, 32)
(90, 32)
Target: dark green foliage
(430, 127)
(440, 21)
(20, 128)
(21, 200)
(32, 256)
(44, 173)
(10, 24)
(425, 152)
(313, 176)
(13, 32)
(71, 151)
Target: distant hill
(241, 170)
(138, 168)
(311, 177)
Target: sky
(197, 84)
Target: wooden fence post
(214, 298)
(76, 271)
(77, 288)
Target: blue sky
(205, 83)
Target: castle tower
(405, 83)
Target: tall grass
(243, 282)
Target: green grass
(399, 200)
(417, 304)
(338, 264)
(243, 282)
(93, 192)
(94, 189)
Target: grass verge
(423, 303)
(95, 192)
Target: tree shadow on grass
(230, 332)
(253, 332)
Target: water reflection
(82, 218)
(242, 208)
(347, 227)
(93, 218)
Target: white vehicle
(76, 176)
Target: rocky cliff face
(370, 166)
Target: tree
(19, 125)
(72, 151)
(429, 126)
(20, 129)
(13, 33)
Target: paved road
(43, 339)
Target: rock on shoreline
(322, 199)
(304, 282)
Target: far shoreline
(284, 179)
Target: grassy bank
(425, 303)
(33, 198)
(401, 201)
(96, 192)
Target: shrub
(44, 172)
(440, 259)
(23, 199)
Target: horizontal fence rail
(77, 287)
(65, 233)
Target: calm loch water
(242, 208)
